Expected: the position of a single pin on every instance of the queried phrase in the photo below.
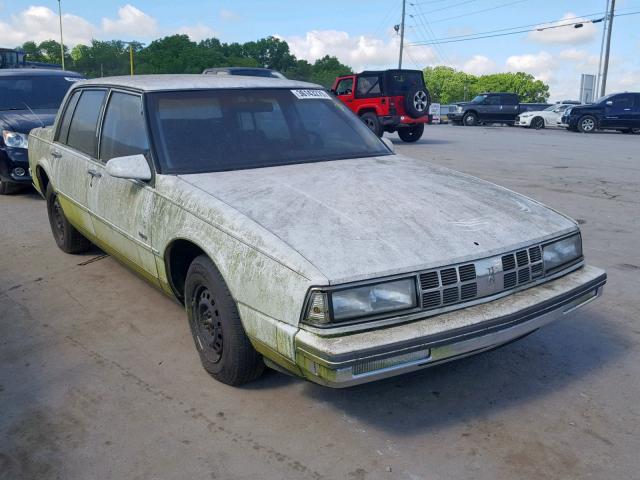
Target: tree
(326, 69)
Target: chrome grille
(482, 278)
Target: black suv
(29, 98)
(617, 111)
(492, 108)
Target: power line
(476, 11)
(424, 24)
(448, 6)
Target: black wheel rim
(208, 324)
(58, 219)
(539, 123)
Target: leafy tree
(326, 69)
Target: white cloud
(131, 21)
(573, 55)
(479, 65)
(41, 23)
(197, 32)
(565, 35)
(540, 65)
(360, 52)
(228, 15)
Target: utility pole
(61, 41)
(404, 5)
(604, 35)
(605, 70)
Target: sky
(360, 32)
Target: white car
(293, 235)
(549, 117)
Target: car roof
(37, 72)
(167, 82)
(392, 70)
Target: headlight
(367, 300)
(459, 109)
(14, 139)
(561, 252)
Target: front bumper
(455, 116)
(12, 159)
(347, 360)
(523, 121)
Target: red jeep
(387, 101)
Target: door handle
(627, 109)
(56, 154)
(94, 173)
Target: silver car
(293, 236)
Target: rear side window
(63, 132)
(493, 100)
(82, 130)
(510, 100)
(368, 86)
(123, 129)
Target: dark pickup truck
(492, 108)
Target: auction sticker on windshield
(307, 94)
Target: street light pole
(605, 71)
(131, 58)
(61, 40)
(604, 35)
(404, 4)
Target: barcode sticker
(307, 94)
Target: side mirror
(609, 102)
(389, 144)
(131, 167)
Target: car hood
(364, 218)
(23, 121)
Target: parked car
(29, 98)
(387, 101)
(492, 108)
(617, 111)
(244, 71)
(549, 117)
(312, 248)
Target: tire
(416, 102)
(587, 124)
(222, 344)
(8, 188)
(470, 120)
(537, 123)
(370, 119)
(411, 134)
(68, 239)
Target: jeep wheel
(470, 120)
(537, 123)
(68, 239)
(370, 119)
(417, 102)
(587, 124)
(224, 348)
(411, 134)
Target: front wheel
(470, 120)
(370, 119)
(224, 348)
(537, 123)
(68, 239)
(587, 124)
(411, 134)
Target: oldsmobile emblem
(491, 274)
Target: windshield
(36, 92)
(605, 98)
(479, 99)
(197, 131)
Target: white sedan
(549, 117)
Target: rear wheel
(224, 348)
(470, 120)
(68, 239)
(411, 134)
(537, 123)
(370, 119)
(587, 124)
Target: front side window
(345, 87)
(82, 130)
(622, 101)
(123, 128)
(493, 100)
(63, 131)
(196, 131)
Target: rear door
(509, 108)
(74, 149)
(618, 111)
(122, 209)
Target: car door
(490, 108)
(618, 111)
(635, 116)
(75, 145)
(509, 107)
(344, 90)
(122, 209)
